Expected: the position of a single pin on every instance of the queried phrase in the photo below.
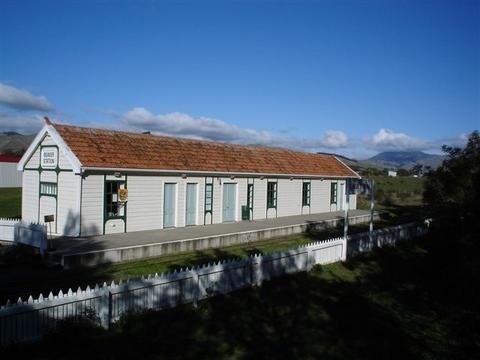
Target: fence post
(106, 309)
(378, 234)
(110, 309)
(310, 259)
(256, 270)
(196, 286)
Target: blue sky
(351, 77)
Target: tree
(371, 171)
(452, 191)
(402, 172)
(417, 169)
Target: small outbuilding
(96, 181)
(10, 177)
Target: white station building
(96, 181)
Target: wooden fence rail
(29, 320)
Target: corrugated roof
(102, 148)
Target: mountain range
(394, 160)
(14, 143)
(405, 159)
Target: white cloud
(180, 124)
(22, 124)
(386, 139)
(22, 99)
(335, 139)
(458, 141)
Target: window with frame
(306, 194)
(271, 194)
(113, 207)
(333, 193)
(250, 196)
(208, 198)
(48, 188)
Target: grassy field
(10, 202)
(392, 194)
(22, 274)
(382, 305)
(403, 191)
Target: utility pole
(345, 223)
(372, 203)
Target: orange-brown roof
(101, 148)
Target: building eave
(216, 173)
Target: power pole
(345, 223)
(372, 203)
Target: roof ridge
(119, 149)
(202, 141)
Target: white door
(191, 206)
(229, 202)
(169, 198)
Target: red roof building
(97, 181)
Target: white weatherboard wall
(9, 175)
(30, 190)
(145, 203)
(66, 206)
(259, 199)
(92, 205)
(289, 197)
(145, 200)
(68, 216)
(320, 196)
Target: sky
(348, 77)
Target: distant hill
(357, 165)
(392, 160)
(14, 143)
(405, 159)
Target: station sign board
(49, 157)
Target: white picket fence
(29, 320)
(22, 232)
(358, 243)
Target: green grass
(177, 261)
(22, 275)
(397, 197)
(398, 191)
(10, 202)
(388, 304)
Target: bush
(452, 191)
(18, 254)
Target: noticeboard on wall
(123, 195)
(49, 157)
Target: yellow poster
(123, 195)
